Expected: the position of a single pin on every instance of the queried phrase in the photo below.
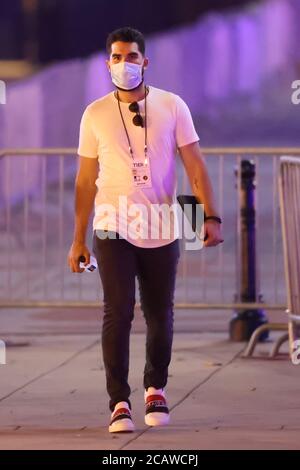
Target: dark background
(44, 31)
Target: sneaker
(157, 412)
(121, 418)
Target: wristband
(212, 217)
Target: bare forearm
(198, 175)
(202, 188)
(84, 203)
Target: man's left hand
(213, 235)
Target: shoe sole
(157, 419)
(122, 425)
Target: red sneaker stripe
(121, 411)
(155, 398)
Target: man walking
(127, 148)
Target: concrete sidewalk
(53, 390)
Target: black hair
(126, 34)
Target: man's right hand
(78, 249)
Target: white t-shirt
(102, 136)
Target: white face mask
(126, 75)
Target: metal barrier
(289, 186)
(36, 227)
(289, 192)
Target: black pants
(119, 263)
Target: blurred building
(43, 31)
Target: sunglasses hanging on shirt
(140, 169)
(137, 119)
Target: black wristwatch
(212, 217)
